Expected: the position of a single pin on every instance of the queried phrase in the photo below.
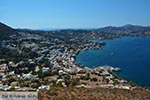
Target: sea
(130, 54)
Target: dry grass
(94, 94)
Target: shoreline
(55, 61)
(117, 76)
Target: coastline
(115, 75)
(110, 72)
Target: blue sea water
(131, 54)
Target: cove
(131, 54)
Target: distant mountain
(6, 31)
(124, 29)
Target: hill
(6, 31)
(125, 29)
(94, 94)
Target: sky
(40, 14)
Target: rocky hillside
(56, 93)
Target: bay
(131, 54)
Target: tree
(94, 79)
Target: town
(35, 60)
(45, 62)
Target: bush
(84, 77)
(60, 98)
(52, 93)
(94, 79)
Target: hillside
(94, 94)
(125, 29)
(6, 31)
(48, 57)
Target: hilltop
(6, 31)
(58, 93)
(129, 29)
(125, 29)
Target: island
(45, 61)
